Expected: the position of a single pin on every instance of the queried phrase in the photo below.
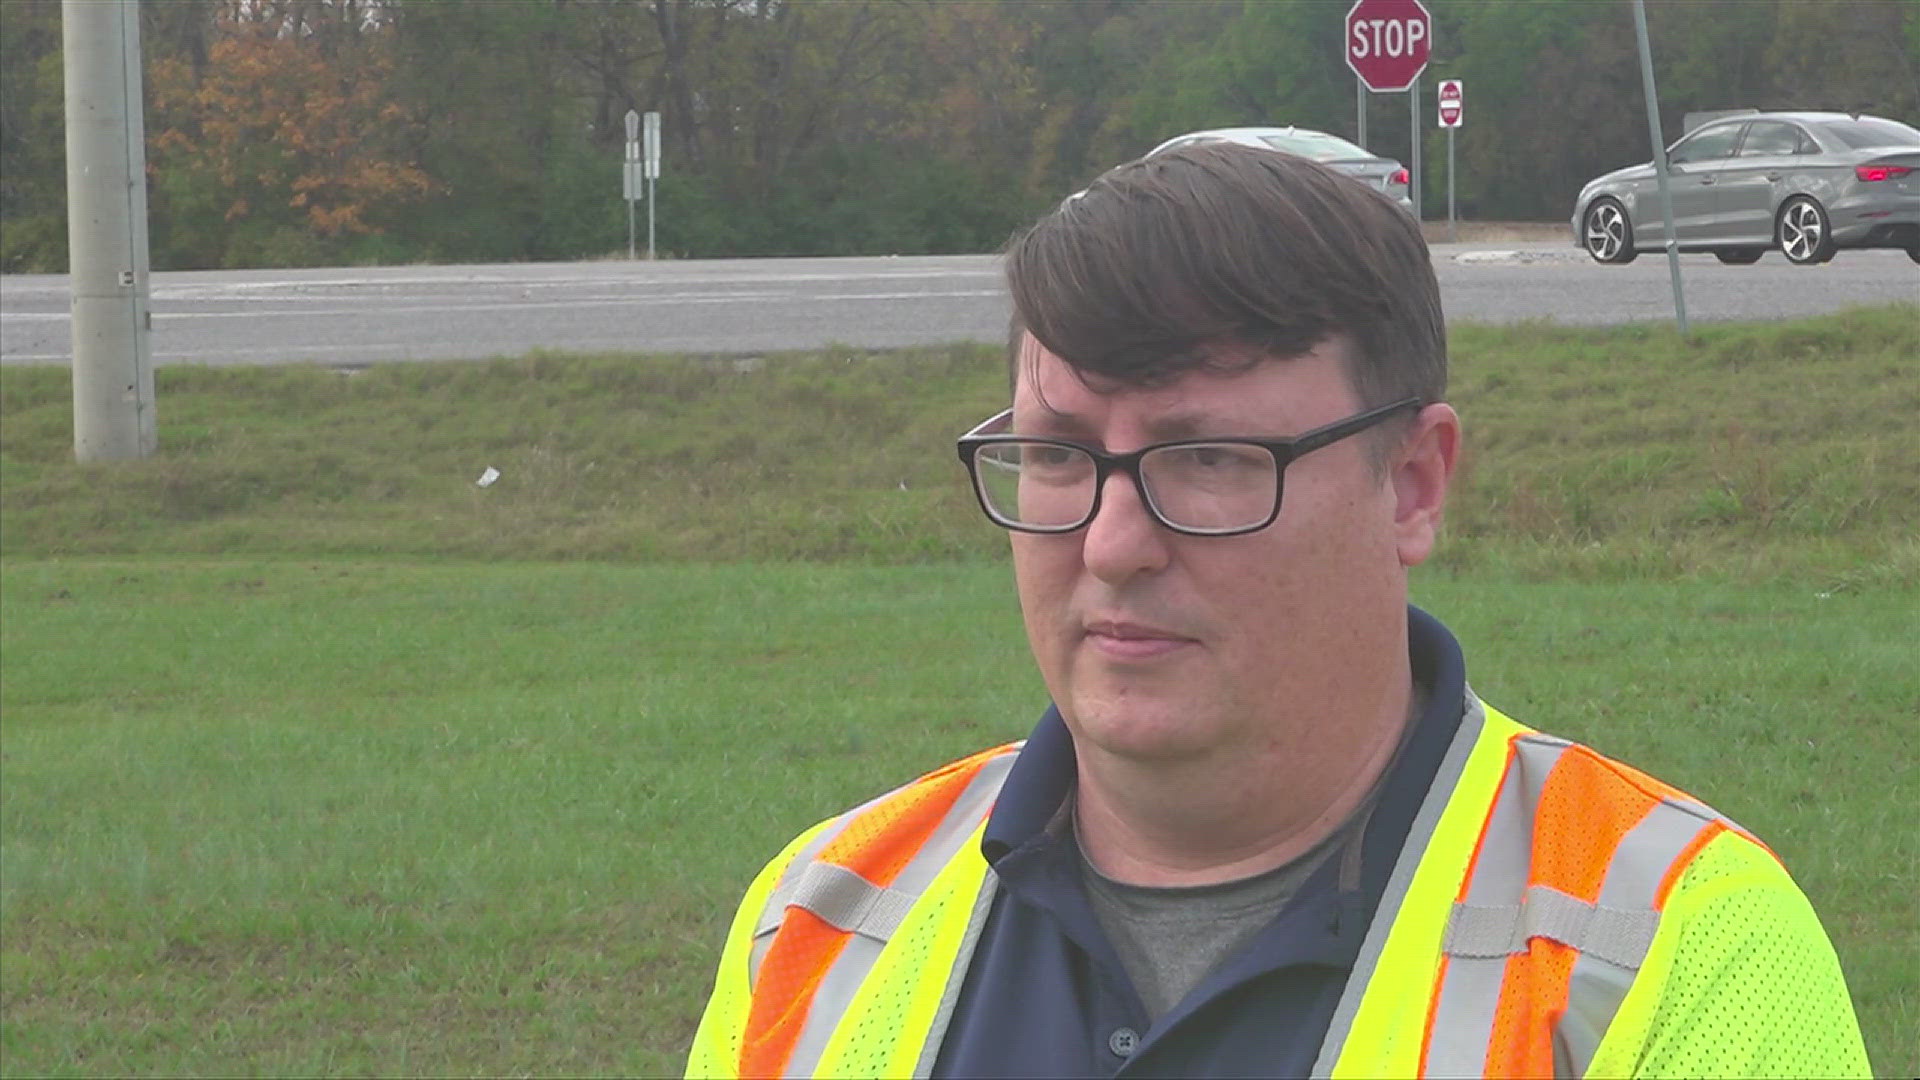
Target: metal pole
(113, 396)
(651, 190)
(1413, 100)
(1659, 161)
(629, 167)
(1360, 110)
(1453, 235)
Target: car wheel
(1803, 232)
(1607, 234)
(1914, 254)
(1739, 256)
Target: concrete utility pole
(113, 415)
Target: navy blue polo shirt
(1046, 994)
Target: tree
(287, 134)
(33, 161)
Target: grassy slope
(1749, 450)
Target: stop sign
(1388, 42)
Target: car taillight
(1871, 173)
(1400, 176)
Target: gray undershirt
(1170, 938)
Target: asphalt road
(347, 317)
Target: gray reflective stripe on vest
(1597, 985)
(847, 901)
(1462, 1025)
(1612, 934)
(872, 912)
(1619, 936)
(1419, 834)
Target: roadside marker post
(629, 174)
(652, 168)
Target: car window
(1872, 131)
(1317, 145)
(1770, 138)
(1707, 144)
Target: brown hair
(1162, 262)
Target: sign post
(1387, 46)
(629, 174)
(1452, 112)
(652, 170)
(1659, 160)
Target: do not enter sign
(1452, 106)
(1388, 42)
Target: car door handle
(1773, 176)
(1706, 181)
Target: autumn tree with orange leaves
(286, 135)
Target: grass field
(316, 758)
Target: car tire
(1914, 254)
(1803, 232)
(1606, 233)
(1739, 256)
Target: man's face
(1158, 646)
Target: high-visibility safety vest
(1552, 912)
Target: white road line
(163, 316)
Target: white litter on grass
(487, 478)
(1514, 255)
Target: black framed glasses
(1196, 487)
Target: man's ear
(1422, 474)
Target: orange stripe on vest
(876, 845)
(1585, 810)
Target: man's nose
(1123, 539)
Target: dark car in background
(1807, 183)
(1382, 174)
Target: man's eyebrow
(1189, 424)
(1167, 427)
(1054, 421)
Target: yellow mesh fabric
(1740, 982)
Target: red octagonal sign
(1388, 42)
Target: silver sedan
(1807, 183)
(1382, 174)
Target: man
(1265, 829)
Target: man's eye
(1050, 457)
(1219, 458)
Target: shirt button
(1123, 1042)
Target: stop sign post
(1387, 46)
(1453, 111)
